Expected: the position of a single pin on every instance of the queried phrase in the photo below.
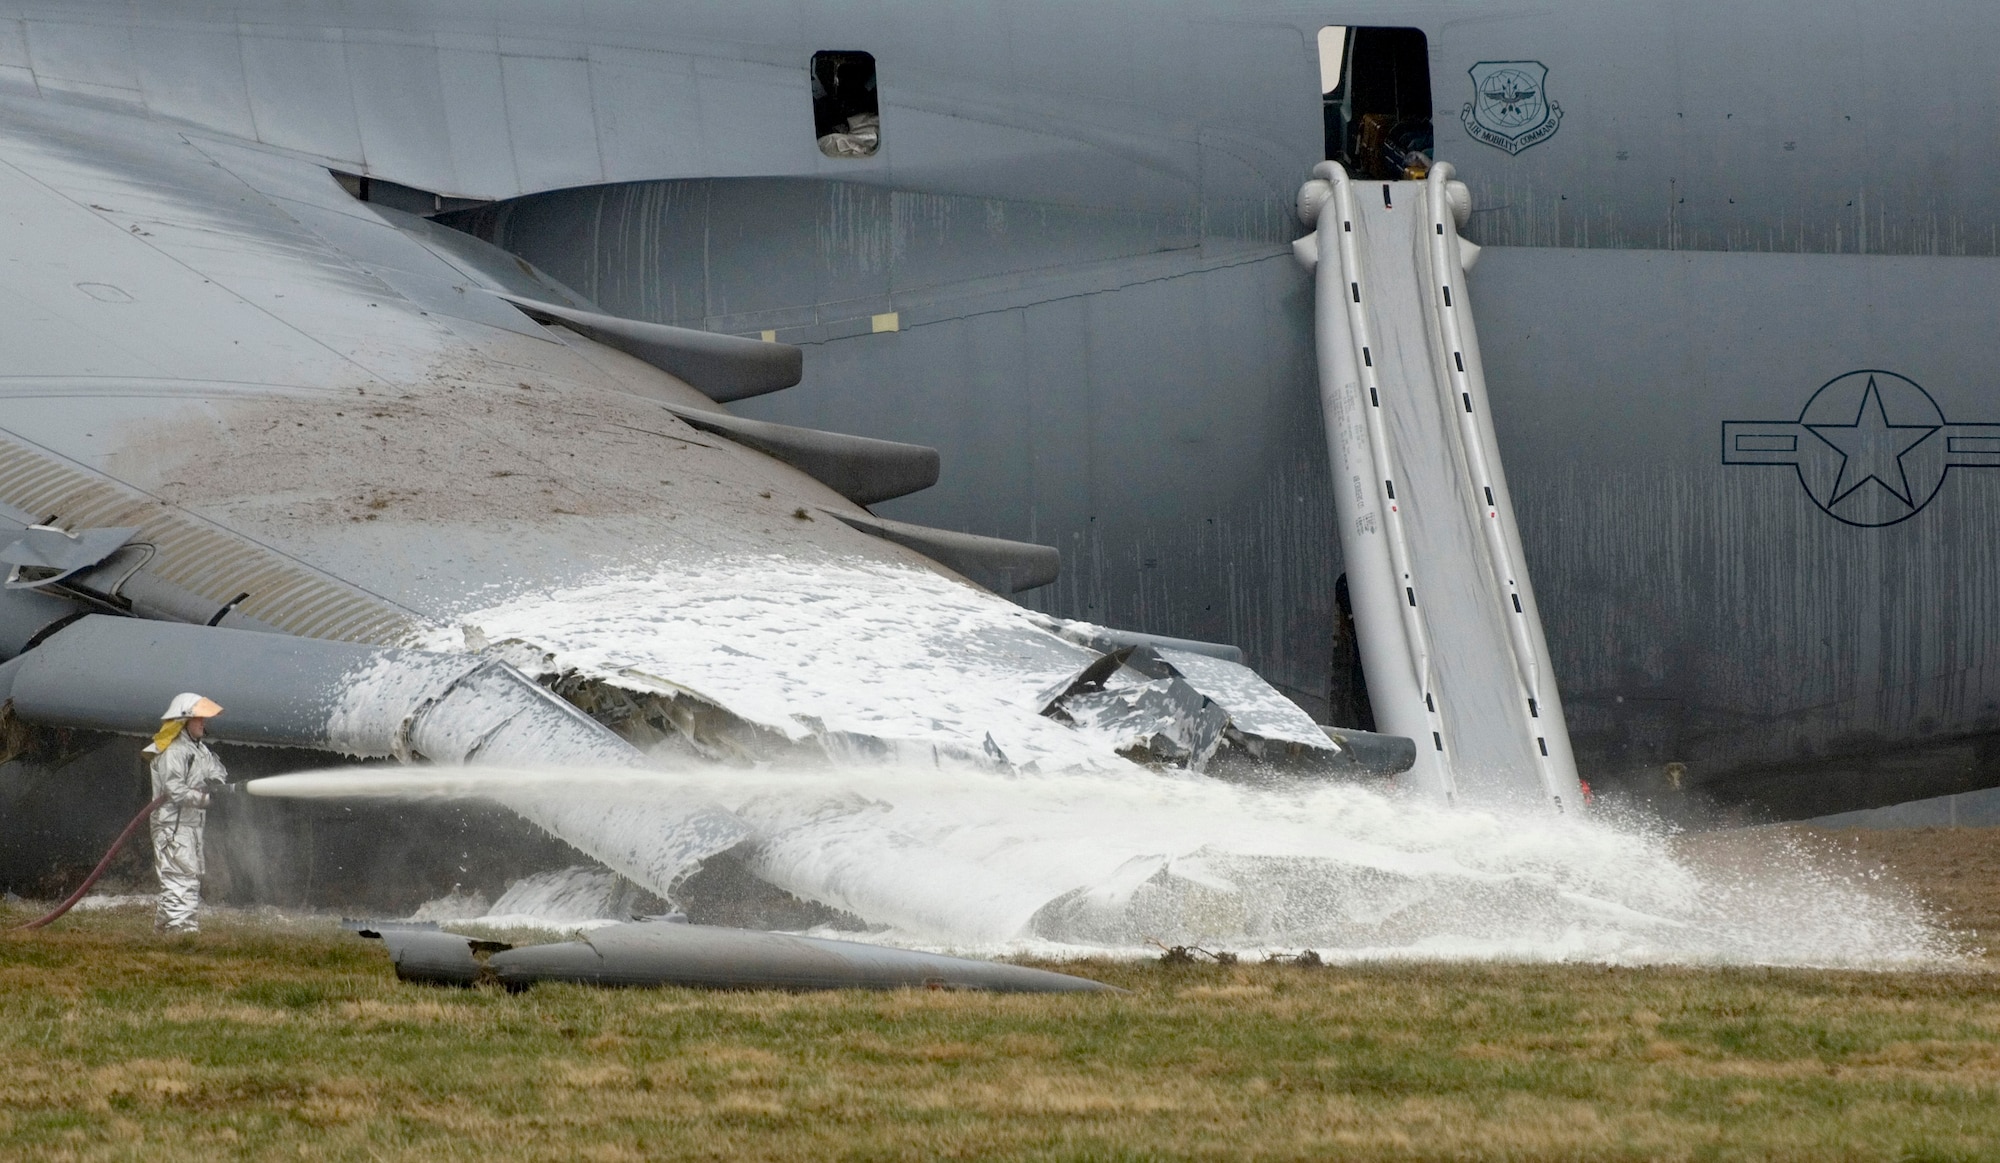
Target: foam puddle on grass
(969, 860)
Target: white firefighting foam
(986, 827)
(818, 647)
(962, 859)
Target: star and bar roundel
(1871, 447)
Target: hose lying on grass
(117, 846)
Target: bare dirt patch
(1955, 870)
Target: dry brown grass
(251, 1040)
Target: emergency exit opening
(1375, 92)
(847, 115)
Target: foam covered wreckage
(1170, 705)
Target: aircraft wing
(222, 346)
(236, 395)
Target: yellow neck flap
(168, 732)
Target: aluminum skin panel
(400, 113)
(300, 94)
(550, 118)
(195, 74)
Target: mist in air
(968, 860)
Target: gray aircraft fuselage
(1068, 268)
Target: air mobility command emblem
(1870, 447)
(1510, 107)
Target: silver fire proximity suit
(184, 770)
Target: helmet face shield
(189, 705)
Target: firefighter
(185, 771)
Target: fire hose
(111, 854)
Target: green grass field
(295, 1039)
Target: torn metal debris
(670, 953)
(1185, 708)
